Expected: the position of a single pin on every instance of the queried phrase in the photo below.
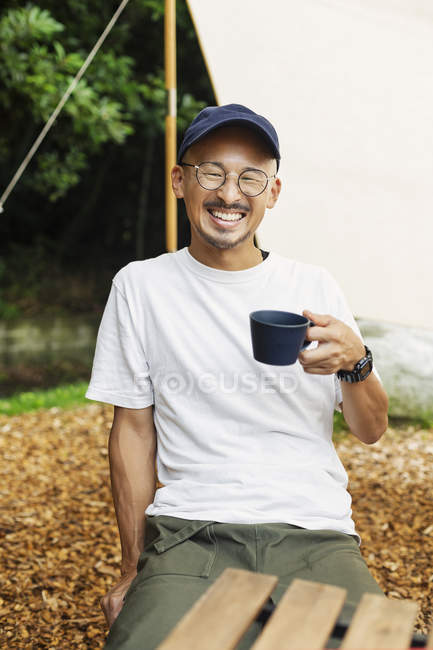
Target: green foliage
(22, 26)
(94, 191)
(401, 413)
(156, 8)
(109, 103)
(340, 423)
(420, 418)
(36, 70)
(70, 395)
(340, 428)
(425, 419)
(57, 174)
(67, 396)
(28, 268)
(154, 95)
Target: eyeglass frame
(249, 169)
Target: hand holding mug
(339, 347)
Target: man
(244, 451)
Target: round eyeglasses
(212, 176)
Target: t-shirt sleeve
(339, 308)
(120, 372)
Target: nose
(230, 192)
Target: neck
(227, 259)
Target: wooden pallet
(303, 619)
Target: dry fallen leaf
(61, 551)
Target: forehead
(231, 144)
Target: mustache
(215, 205)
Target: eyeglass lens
(251, 182)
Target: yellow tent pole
(170, 123)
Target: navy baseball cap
(212, 117)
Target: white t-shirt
(238, 441)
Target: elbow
(370, 421)
(371, 434)
(381, 425)
(377, 434)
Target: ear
(274, 193)
(177, 181)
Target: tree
(36, 69)
(86, 194)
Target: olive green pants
(182, 558)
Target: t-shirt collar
(220, 275)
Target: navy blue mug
(278, 336)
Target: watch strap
(361, 370)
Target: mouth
(226, 218)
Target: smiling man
(250, 476)
(226, 197)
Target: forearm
(133, 485)
(365, 408)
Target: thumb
(319, 319)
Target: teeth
(227, 217)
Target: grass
(64, 397)
(341, 429)
(421, 418)
(71, 395)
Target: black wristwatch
(361, 370)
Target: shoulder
(302, 269)
(312, 284)
(141, 272)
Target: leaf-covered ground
(59, 541)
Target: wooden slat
(220, 617)
(380, 622)
(304, 617)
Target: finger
(320, 333)
(311, 358)
(322, 320)
(321, 355)
(114, 614)
(319, 371)
(327, 364)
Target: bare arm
(132, 453)
(365, 402)
(365, 408)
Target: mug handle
(306, 342)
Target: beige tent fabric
(348, 85)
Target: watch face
(365, 370)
